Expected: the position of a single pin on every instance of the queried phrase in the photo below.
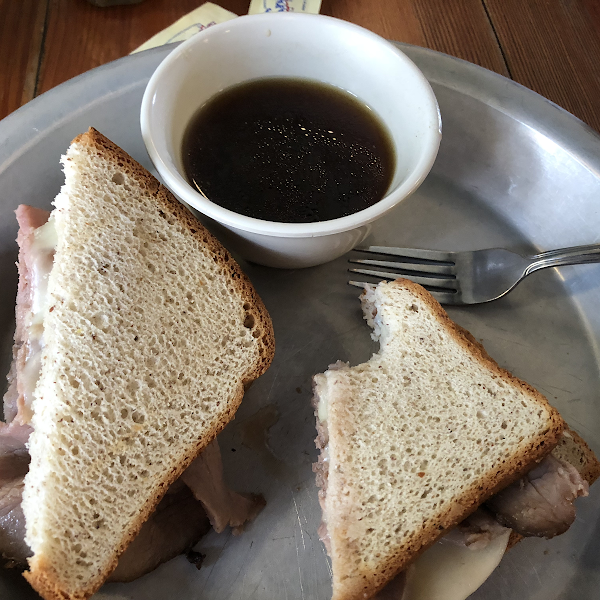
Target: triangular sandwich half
(414, 440)
(150, 333)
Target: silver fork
(468, 277)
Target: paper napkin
(210, 14)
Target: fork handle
(564, 256)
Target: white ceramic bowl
(303, 46)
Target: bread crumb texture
(151, 334)
(418, 437)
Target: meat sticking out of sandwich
(184, 514)
(136, 335)
(430, 444)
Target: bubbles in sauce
(288, 150)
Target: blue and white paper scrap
(209, 14)
(266, 6)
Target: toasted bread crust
(41, 576)
(573, 449)
(365, 583)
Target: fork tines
(432, 269)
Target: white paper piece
(200, 18)
(265, 6)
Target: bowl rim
(180, 187)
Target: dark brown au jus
(288, 150)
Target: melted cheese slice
(42, 258)
(45, 239)
(452, 571)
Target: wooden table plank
(21, 37)
(392, 20)
(550, 45)
(553, 48)
(461, 28)
(457, 27)
(80, 36)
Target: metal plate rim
(21, 127)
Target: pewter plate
(514, 170)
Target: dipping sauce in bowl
(288, 150)
(303, 204)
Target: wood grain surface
(554, 49)
(550, 46)
(455, 27)
(22, 26)
(80, 36)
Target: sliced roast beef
(541, 502)
(223, 506)
(12, 523)
(29, 219)
(36, 242)
(11, 398)
(477, 530)
(179, 520)
(13, 437)
(14, 464)
(14, 433)
(174, 528)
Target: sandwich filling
(540, 503)
(457, 564)
(37, 243)
(199, 499)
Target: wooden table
(550, 46)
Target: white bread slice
(417, 438)
(151, 334)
